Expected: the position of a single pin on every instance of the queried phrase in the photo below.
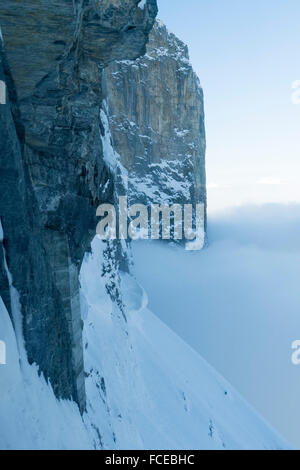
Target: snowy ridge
(152, 390)
(145, 387)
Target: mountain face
(145, 387)
(156, 118)
(51, 161)
(90, 114)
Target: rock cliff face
(156, 116)
(52, 170)
(60, 60)
(73, 135)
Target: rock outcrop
(52, 170)
(156, 117)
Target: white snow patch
(182, 132)
(142, 4)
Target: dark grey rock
(51, 161)
(156, 117)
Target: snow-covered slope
(145, 387)
(151, 388)
(30, 415)
(237, 303)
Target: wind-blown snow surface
(153, 390)
(145, 387)
(30, 415)
(237, 303)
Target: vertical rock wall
(51, 160)
(156, 115)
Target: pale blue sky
(247, 55)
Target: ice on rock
(142, 4)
